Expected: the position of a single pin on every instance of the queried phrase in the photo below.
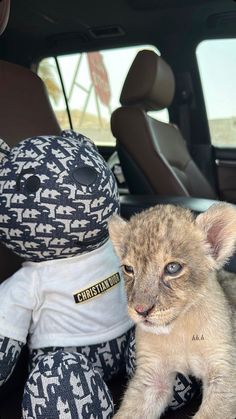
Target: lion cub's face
(166, 257)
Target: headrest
(25, 109)
(149, 83)
(4, 14)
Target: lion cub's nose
(143, 311)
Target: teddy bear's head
(56, 195)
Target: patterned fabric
(9, 352)
(184, 390)
(56, 195)
(130, 354)
(66, 386)
(68, 382)
(108, 358)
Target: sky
(217, 65)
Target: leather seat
(153, 154)
(25, 108)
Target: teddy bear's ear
(4, 149)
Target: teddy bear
(67, 302)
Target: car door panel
(225, 160)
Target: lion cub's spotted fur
(170, 310)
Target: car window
(84, 89)
(217, 66)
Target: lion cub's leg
(219, 393)
(149, 393)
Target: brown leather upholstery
(154, 148)
(149, 83)
(25, 109)
(4, 14)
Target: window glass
(217, 66)
(92, 85)
(49, 74)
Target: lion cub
(185, 322)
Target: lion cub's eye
(128, 269)
(173, 268)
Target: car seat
(153, 154)
(25, 108)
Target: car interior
(156, 148)
(189, 160)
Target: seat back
(153, 154)
(25, 108)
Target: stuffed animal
(67, 302)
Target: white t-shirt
(66, 302)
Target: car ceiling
(43, 27)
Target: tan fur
(182, 307)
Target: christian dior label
(95, 290)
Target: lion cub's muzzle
(143, 311)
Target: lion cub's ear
(117, 227)
(219, 226)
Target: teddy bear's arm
(9, 352)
